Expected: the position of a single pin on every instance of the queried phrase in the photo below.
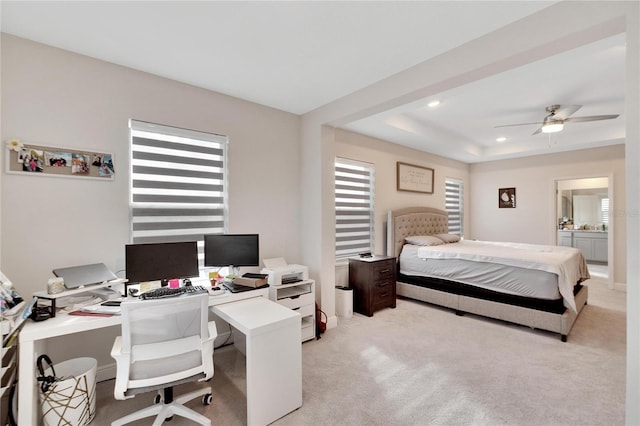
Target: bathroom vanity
(593, 244)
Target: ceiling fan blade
(519, 124)
(590, 118)
(537, 131)
(565, 111)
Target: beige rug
(423, 365)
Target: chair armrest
(122, 369)
(213, 330)
(116, 349)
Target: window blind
(354, 189)
(178, 184)
(605, 210)
(454, 206)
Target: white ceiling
(299, 56)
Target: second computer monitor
(231, 250)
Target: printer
(279, 272)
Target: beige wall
(384, 155)
(534, 218)
(56, 98)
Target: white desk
(33, 337)
(273, 353)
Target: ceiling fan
(558, 115)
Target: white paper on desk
(74, 302)
(105, 293)
(101, 309)
(276, 262)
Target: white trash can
(71, 398)
(344, 302)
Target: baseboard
(106, 372)
(332, 322)
(620, 286)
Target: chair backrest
(165, 340)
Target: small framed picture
(507, 198)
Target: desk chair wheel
(207, 399)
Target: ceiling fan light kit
(552, 127)
(558, 115)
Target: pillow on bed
(424, 240)
(448, 238)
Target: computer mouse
(216, 290)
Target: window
(604, 210)
(178, 184)
(354, 207)
(453, 194)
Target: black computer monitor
(161, 261)
(232, 250)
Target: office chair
(164, 342)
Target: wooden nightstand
(373, 280)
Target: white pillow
(448, 238)
(424, 240)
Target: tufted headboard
(410, 221)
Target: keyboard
(162, 292)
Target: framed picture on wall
(414, 178)
(47, 161)
(507, 198)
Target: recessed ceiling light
(433, 104)
(501, 139)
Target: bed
(537, 286)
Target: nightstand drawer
(387, 302)
(388, 282)
(383, 270)
(381, 289)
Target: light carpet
(422, 365)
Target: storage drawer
(7, 354)
(383, 270)
(383, 293)
(308, 330)
(383, 284)
(7, 376)
(297, 301)
(384, 299)
(305, 310)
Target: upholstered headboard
(410, 221)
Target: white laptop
(78, 276)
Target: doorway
(583, 221)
